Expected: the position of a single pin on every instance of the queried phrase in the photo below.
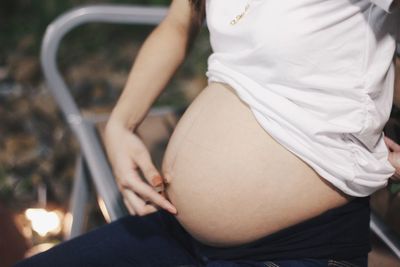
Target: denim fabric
(154, 240)
(358, 262)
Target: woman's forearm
(158, 59)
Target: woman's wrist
(117, 121)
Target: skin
(394, 157)
(231, 181)
(190, 182)
(160, 55)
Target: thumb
(392, 145)
(394, 159)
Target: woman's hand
(126, 153)
(394, 156)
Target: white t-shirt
(318, 76)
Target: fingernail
(171, 208)
(174, 211)
(157, 180)
(159, 189)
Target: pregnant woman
(274, 161)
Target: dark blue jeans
(154, 240)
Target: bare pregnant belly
(231, 182)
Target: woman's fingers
(148, 193)
(127, 174)
(392, 145)
(396, 177)
(128, 204)
(128, 155)
(138, 205)
(157, 183)
(394, 159)
(151, 174)
(130, 179)
(134, 204)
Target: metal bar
(387, 235)
(79, 198)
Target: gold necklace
(241, 15)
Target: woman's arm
(159, 57)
